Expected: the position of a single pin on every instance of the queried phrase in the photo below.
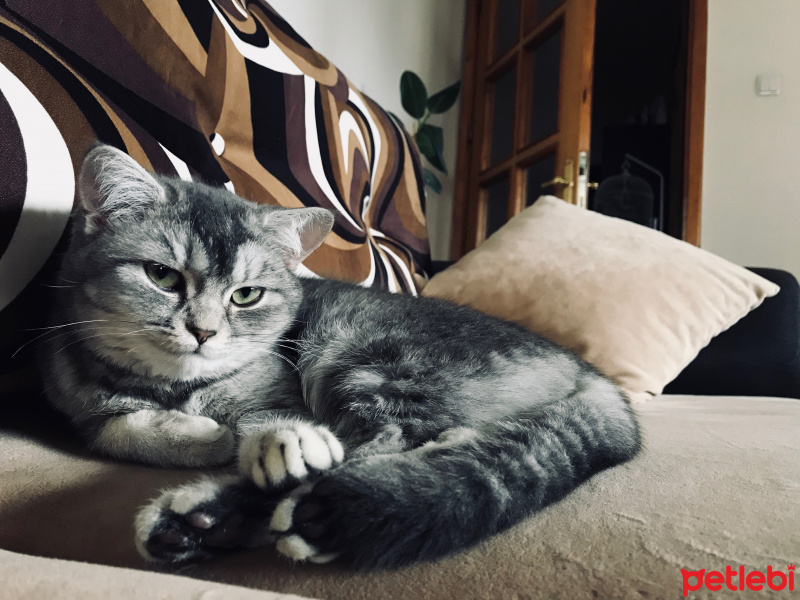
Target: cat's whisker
(57, 334)
(53, 337)
(302, 351)
(292, 348)
(291, 364)
(66, 325)
(90, 337)
(51, 330)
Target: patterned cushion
(222, 91)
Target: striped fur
(216, 91)
(381, 428)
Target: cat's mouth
(181, 356)
(197, 351)
(179, 349)
(181, 346)
(200, 350)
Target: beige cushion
(716, 485)
(634, 302)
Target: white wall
(751, 183)
(751, 160)
(373, 42)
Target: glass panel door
(526, 110)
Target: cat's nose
(201, 334)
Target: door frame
(693, 124)
(466, 130)
(694, 120)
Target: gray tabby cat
(381, 428)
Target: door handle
(558, 181)
(567, 182)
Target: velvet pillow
(634, 302)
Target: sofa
(716, 486)
(715, 493)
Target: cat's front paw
(169, 438)
(288, 452)
(201, 519)
(210, 444)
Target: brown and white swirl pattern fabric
(222, 91)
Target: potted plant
(428, 138)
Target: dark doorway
(639, 111)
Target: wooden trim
(481, 115)
(695, 120)
(502, 65)
(466, 131)
(575, 108)
(517, 129)
(544, 28)
(521, 160)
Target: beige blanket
(718, 485)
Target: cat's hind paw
(300, 524)
(288, 452)
(201, 519)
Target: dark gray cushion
(758, 356)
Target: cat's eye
(246, 296)
(163, 277)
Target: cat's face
(181, 280)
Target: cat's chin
(175, 365)
(194, 366)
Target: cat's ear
(113, 185)
(299, 231)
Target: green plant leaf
(430, 141)
(432, 181)
(413, 94)
(425, 145)
(443, 100)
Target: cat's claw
(199, 520)
(288, 453)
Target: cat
(380, 428)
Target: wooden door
(525, 120)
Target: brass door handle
(593, 186)
(558, 181)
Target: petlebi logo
(736, 580)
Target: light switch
(768, 84)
